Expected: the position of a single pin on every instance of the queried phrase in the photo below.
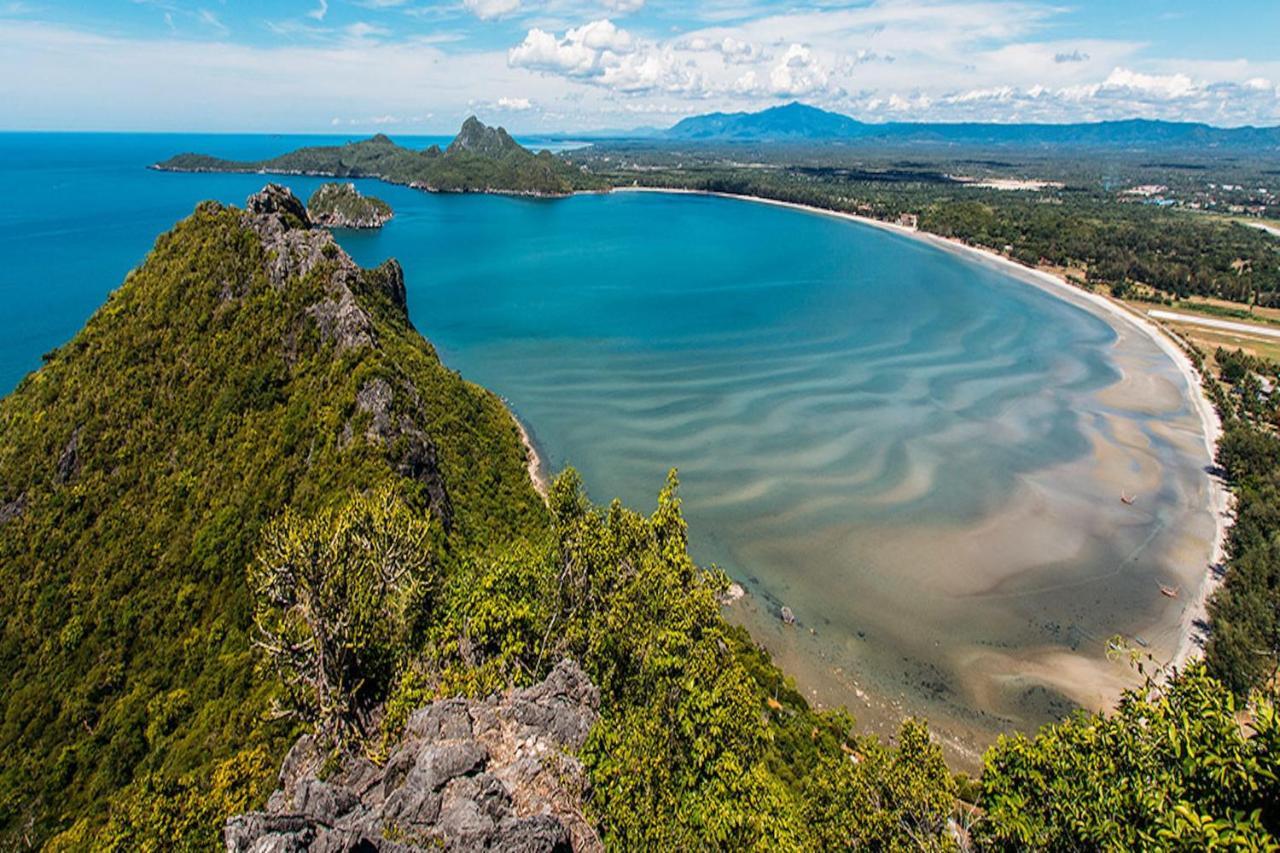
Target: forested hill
(247, 365)
(796, 122)
(480, 159)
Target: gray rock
(14, 508)
(69, 459)
(492, 774)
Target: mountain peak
(476, 137)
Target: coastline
(533, 459)
(1196, 613)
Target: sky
(421, 66)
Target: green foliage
(1173, 766)
(336, 599)
(146, 456)
(1244, 648)
(701, 741)
(880, 799)
(343, 204)
(509, 168)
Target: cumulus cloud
(797, 73)
(517, 104)
(488, 9)
(1161, 86)
(1073, 56)
(604, 54)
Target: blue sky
(539, 65)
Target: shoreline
(533, 462)
(1190, 640)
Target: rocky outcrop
(476, 137)
(294, 249)
(342, 206)
(493, 774)
(408, 446)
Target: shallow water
(918, 454)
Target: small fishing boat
(1170, 591)
(1127, 499)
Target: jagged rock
(390, 275)
(412, 452)
(492, 774)
(69, 460)
(13, 509)
(476, 137)
(277, 200)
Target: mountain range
(479, 159)
(797, 122)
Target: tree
(1174, 766)
(336, 599)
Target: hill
(246, 366)
(480, 159)
(796, 122)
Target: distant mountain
(796, 122)
(791, 122)
(480, 159)
(475, 137)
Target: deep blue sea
(917, 453)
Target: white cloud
(797, 73)
(518, 104)
(487, 9)
(1159, 86)
(603, 54)
(623, 7)
(319, 11)
(876, 59)
(211, 20)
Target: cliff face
(247, 365)
(493, 774)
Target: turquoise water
(911, 450)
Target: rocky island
(479, 159)
(343, 206)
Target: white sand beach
(1196, 610)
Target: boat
(1127, 499)
(1170, 591)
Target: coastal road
(1214, 323)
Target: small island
(480, 159)
(337, 205)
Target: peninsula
(479, 159)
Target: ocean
(917, 453)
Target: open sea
(917, 453)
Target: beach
(1216, 496)
(538, 474)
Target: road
(1214, 323)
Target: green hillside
(480, 159)
(247, 365)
